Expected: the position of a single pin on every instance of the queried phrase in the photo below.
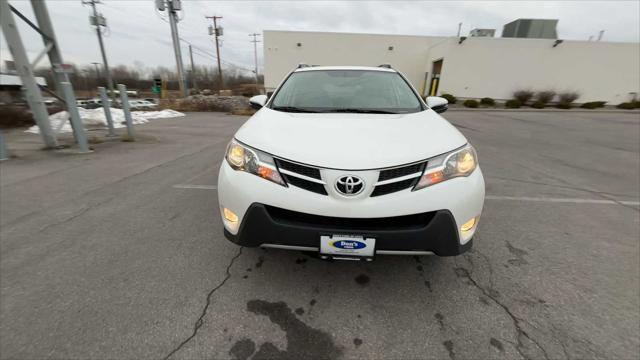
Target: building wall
(281, 53)
(496, 67)
(479, 67)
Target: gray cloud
(138, 33)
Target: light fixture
(229, 215)
(468, 225)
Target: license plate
(347, 245)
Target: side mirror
(258, 101)
(437, 104)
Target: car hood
(350, 141)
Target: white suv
(350, 162)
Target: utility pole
(218, 31)
(60, 70)
(459, 29)
(25, 71)
(174, 7)
(193, 70)
(255, 42)
(98, 20)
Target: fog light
(468, 225)
(229, 215)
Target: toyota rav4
(350, 162)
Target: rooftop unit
(482, 33)
(531, 28)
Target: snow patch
(95, 118)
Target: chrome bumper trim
(378, 252)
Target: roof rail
(388, 66)
(302, 65)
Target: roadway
(120, 254)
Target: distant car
(351, 163)
(135, 104)
(50, 101)
(87, 103)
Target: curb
(577, 110)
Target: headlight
(460, 162)
(243, 158)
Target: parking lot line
(562, 200)
(201, 187)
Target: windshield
(358, 91)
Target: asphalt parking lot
(120, 254)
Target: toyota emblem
(349, 185)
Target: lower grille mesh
(336, 223)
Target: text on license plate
(350, 245)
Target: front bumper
(434, 232)
(260, 204)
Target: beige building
(468, 67)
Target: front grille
(299, 169)
(304, 170)
(389, 174)
(305, 184)
(395, 186)
(289, 217)
(401, 171)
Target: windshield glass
(365, 91)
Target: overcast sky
(138, 34)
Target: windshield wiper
(361, 111)
(293, 109)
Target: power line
(186, 27)
(214, 57)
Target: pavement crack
(516, 320)
(200, 321)
(486, 259)
(467, 257)
(70, 218)
(76, 215)
(569, 339)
